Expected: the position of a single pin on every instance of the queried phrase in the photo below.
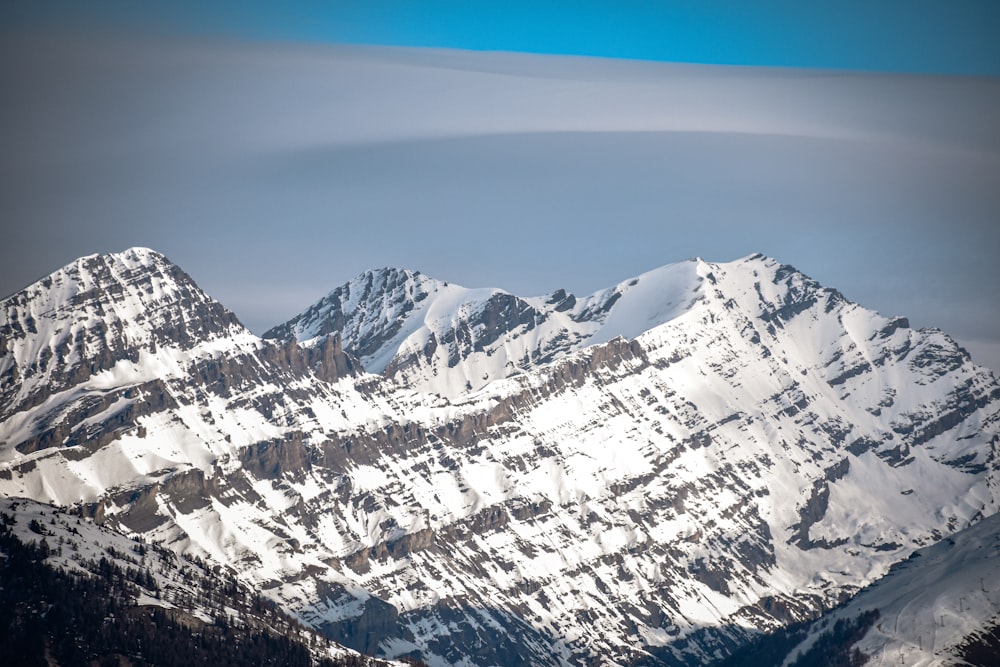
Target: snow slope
(193, 591)
(929, 604)
(439, 337)
(653, 473)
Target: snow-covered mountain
(653, 474)
(939, 607)
(93, 344)
(147, 586)
(435, 336)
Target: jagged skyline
(277, 171)
(758, 449)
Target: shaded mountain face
(652, 474)
(143, 604)
(940, 604)
(937, 607)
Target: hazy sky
(272, 171)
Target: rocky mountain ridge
(652, 474)
(436, 336)
(144, 605)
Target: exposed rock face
(140, 325)
(650, 474)
(94, 314)
(367, 311)
(432, 336)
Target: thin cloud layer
(272, 173)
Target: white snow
(704, 441)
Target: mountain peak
(370, 304)
(96, 311)
(756, 452)
(134, 259)
(440, 337)
(139, 254)
(137, 285)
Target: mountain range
(669, 471)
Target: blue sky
(926, 36)
(273, 159)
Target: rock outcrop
(653, 474)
